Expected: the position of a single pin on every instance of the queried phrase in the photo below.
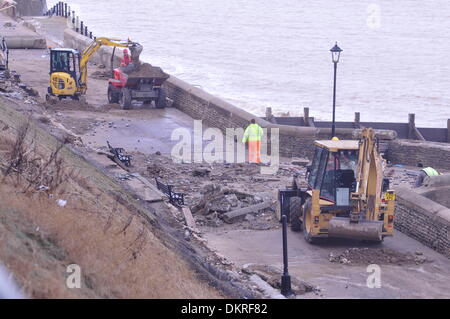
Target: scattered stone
(300, 161)
(61, 202)
(366, 256)
(201, 172)
(249, 217)
(29, 90)
(44, 119)
(187, 235)
(154, 170)
(259, 225)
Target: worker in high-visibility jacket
(253, 135)
(424, 172)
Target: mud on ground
(379, 256)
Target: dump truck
(344, 194)
(137, 82)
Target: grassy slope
(116, 248)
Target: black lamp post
(335, 54)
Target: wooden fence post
(356, 123)
(413, 132)
(448, 131)
(308, 120)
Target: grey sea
(260, 53)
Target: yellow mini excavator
(68, 68)
(346, 195)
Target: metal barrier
(175, 198)
(4, 55)
(62, 9)
(118, 155)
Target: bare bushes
(24, 165)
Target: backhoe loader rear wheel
(125, 99)
(307, 222)
(295, 207)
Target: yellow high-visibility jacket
(252, 133)
(430, 171)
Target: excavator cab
(64, 73)
(333, 170)
(346, 194)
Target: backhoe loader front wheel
(308, 223)
(295, 208)
(125, 99)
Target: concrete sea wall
(424, 220)
(411, 152)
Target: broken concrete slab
(265, 288)
(228, 217)
(189, 219)
(300, 161)
(272, 275)
(151, 192)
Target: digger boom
(94, 47)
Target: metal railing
(62, 9)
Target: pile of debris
(220, 204)
(12, 87)
(383, 256)
(146, 70)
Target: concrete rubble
(380, 256)
(272, 276)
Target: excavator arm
(135, 49)
(370, 175)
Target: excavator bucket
(135, 52)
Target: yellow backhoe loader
(68, 68)
(345, 194)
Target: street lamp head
(335, 53)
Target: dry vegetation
(118, 254)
